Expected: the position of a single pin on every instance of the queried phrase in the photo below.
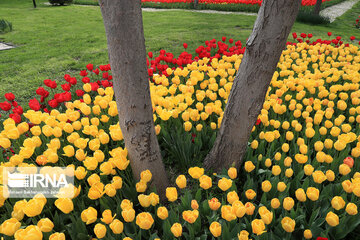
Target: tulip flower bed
(226, 5)
(357, 23)
(300, 177)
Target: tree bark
(196, 3)
(317, 7)
(263, 50)
(127, 54)
(34, 3)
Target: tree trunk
(34, 2)
(196, 3)
(263, 50)
(127, 54)
(317, 7)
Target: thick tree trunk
(126, 46)
(317, 7)
(196, 3)
(34, 3)
(263, 50)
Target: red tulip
(5, 106)
(85, 80)
(73, 81)
(49, 83)
(34, 104)
(66, 87)
(96, 71)
(19, 110)
(79, 92)
(10, 96)
(53, 103)
(90, 67)
(83, 73)
(16, 117)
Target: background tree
(263, 50)
(317, 7)
(127, 53)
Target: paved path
(337, 10)
(4, 46)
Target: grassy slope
(53, 41)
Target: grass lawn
(53, 41)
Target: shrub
(311, 18)
(60, 2)
(86, 2)
(5, 26)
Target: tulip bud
(275, 203)
(312, 193)
(232, 172)
(194, 204)
(205, 182)
(10, 226)
(224, 184)
(288, 224)
(116, 226)
(107, 216)
(181, 181)
(162, 213)
(176, 229)
(89, 215)
(307, 234)
(128, 214)
(100, 230)
(258, 226)
(57, 236)
(171, 194)
(249, 166)
(250, 194)
(45, 225)
(196, 172)
(144, 220)
(332, 219)
(215, 229)
(351, 209)
(337, 202)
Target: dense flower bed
(252, 2)
(299, 178)
(357, 23)
(228, 5)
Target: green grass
(52, 41)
